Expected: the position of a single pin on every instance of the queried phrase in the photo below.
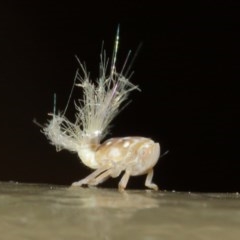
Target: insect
(100, 104)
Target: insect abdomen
(128, 153)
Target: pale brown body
(133, 155)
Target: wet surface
(29, 211)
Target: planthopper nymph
(101, 102)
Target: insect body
(100, 104)
(134, 155)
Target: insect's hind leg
(123, 182)
(89, 178)
(148, 181)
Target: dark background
(188, 70)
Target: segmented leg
(89, 178)
(123, 182)
(100, 178)
(104, 176)
(148, 181)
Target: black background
(188, 70)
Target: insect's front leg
(148, 181)
(100, 178)
(112, 172)
(87, 180)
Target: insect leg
(101, 178)
(90, 177)
(123, 182)
(148, 181)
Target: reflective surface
(29, 211)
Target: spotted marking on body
(125, 150)
(126, 144)
(114, 152)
